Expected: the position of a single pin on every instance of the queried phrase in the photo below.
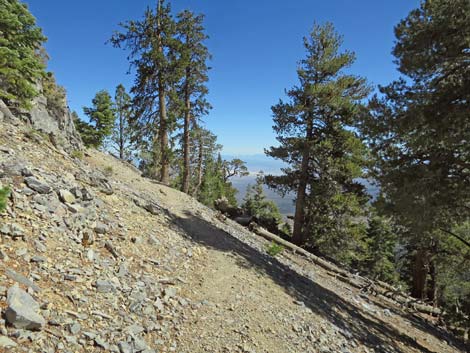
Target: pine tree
(234, 167)
(122, 132)
(153, 53)
(21, 66)
(101, 117)
(193, 89)
(256, 204)
(419, 130)
(205, 146)
(378, 259)
(323, 155)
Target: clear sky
(255, 46)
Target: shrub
(274, 249)
(108, 171)
(77, 154)
(4, 194)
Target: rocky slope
(94, 258)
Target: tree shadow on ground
(366, 328)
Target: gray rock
(75, 328)
(101, 343)
(125, 347)
(66, 196)
(104, 286)
(21, 279)
(75, 208)
(170, 292)
(139, 344)
(5, 342)
(86, 195)
(37, 185)
(134, 329)
(77, 192)
(13, 230)
(38, 259)
(22, 310)
(101, 228)
(153, 208)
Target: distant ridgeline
(285, 204)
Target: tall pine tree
(193, 90)
(122, 131)
(419, 131)
(153, 53)
(323, 155)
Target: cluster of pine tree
(158, 124)
(411, 139)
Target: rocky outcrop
(57, 124)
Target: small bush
(108, 171)
(274, 249)
(77, 154)
(4, 194)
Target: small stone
(90, 255)
(75, 328)
(26, 172)
(104, 286)
(22, 310)
(139, 344)
(37, 185)
(101, 228)
(125, 347)
(66, 196)
(38, 259)
(13, 230)
(5, 342)
(170, 292)
(153, 208)
(101, 343)
(86, 196)
(134, 329)
(75, 208)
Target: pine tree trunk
(121, 136)
(186, 140)
(163, 133)
(420, 272)
(432, 286)
(298, 235)
(200, 159)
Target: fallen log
(356, 281)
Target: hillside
(116, 262)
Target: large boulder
(22, 310)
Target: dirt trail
(249, 301)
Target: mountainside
(116, 262)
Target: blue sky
(255, 44)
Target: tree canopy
(21, 66)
